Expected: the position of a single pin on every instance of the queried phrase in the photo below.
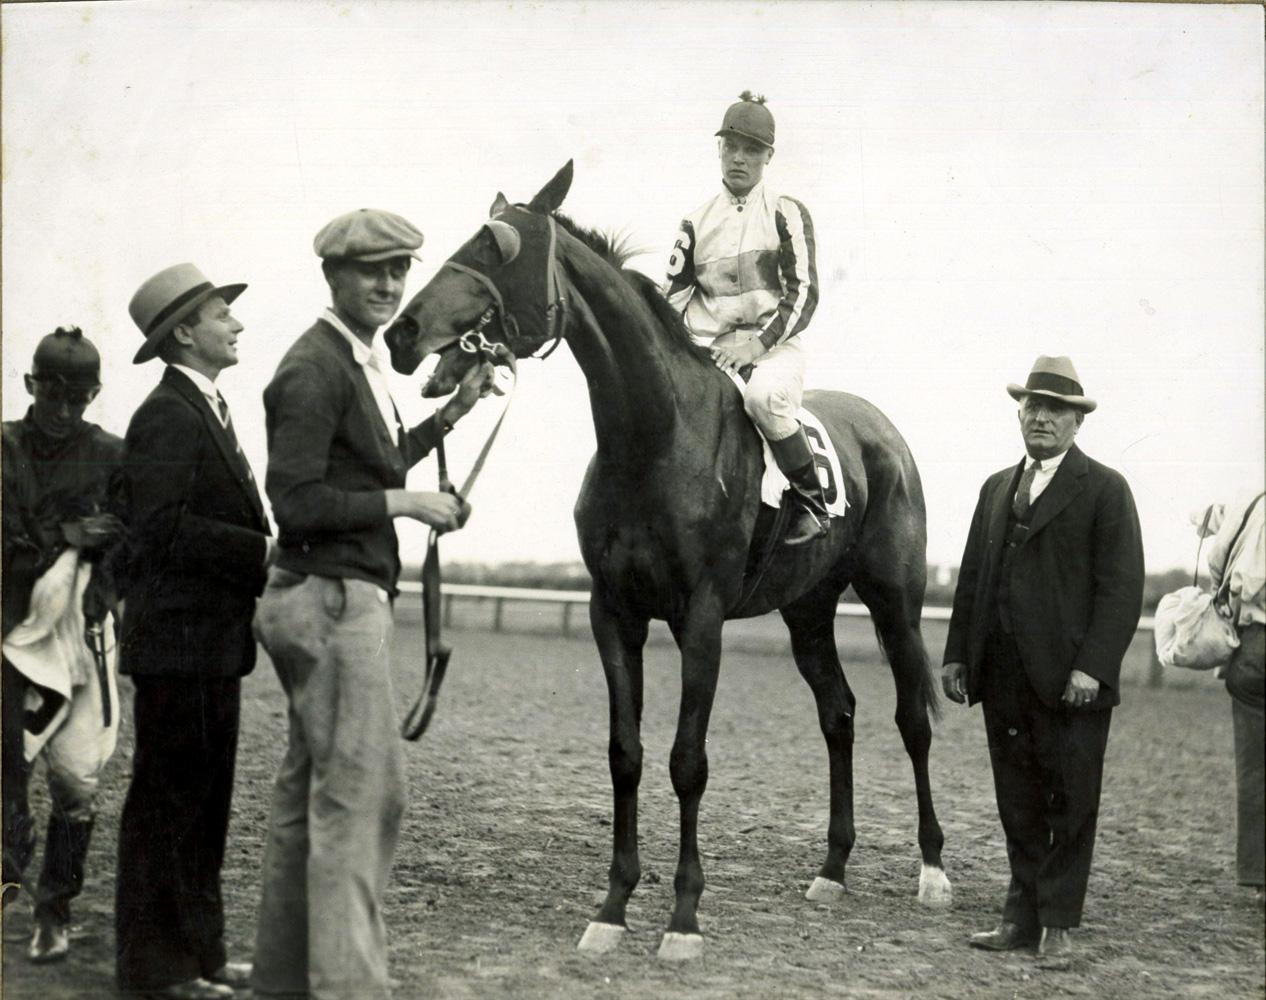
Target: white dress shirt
(1044, 475)
(370, 360)
(208, 389)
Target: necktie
(232, 434)
(1020, 506)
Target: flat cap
(367, 234)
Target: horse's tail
(928, 682)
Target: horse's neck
(629, 370)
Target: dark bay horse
(667, 516)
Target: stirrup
(805, 513)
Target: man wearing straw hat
(1048, 598)
(201, 544)
(337, 460)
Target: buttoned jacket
(1076, 579)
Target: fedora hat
(1057, 378)
(168, 298)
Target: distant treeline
(574, 576)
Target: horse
(671, 525)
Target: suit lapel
(1065, 485)
(233, 458)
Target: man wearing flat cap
(1049, 594)
(337, 460)
(744, 278)
(200, 545)
(60, 699)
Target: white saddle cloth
(773, 484)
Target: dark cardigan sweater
(331, 459)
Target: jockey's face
(367, 294)
(58, 406)
(743, 162)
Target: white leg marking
(934, 888)
(824, 890)
(681, 947)
(600, 938)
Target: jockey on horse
(743, 277)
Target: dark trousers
(1047, 772)
(69, 822)
(19, 837)
(169, 919)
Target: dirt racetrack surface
(506, 841)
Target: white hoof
(681, 947)
(824, 890)
(600, 938)
(934, 888)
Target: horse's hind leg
(620, 641)
(896, 610)
(811, 621)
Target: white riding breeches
(773, 395)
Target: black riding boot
(809, 520)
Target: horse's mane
(617, 250)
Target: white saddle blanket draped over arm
(49, 649)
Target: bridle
(473, 340)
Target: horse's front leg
(620, 641)
(699, 636)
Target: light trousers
(776, 388)
(340, 794)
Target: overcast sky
(988, 182)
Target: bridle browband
(473, 340)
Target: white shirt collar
(755, 194)
(204, 384)
(362, 354)
(1048, 464)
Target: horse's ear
(506, 238)
(552, 194)
(499, 205)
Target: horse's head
(500, 294)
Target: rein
(437, 651)
(473, 341)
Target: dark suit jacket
(198, 540)
(1076, 580)
(331, 460)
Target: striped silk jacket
(745, 262)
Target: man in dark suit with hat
(200, 541)
(1048, 598)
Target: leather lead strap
(437, 652)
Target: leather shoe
(234, 975)
(1005, 937)
(1056, 947)
(191, 989)
(49, 943)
